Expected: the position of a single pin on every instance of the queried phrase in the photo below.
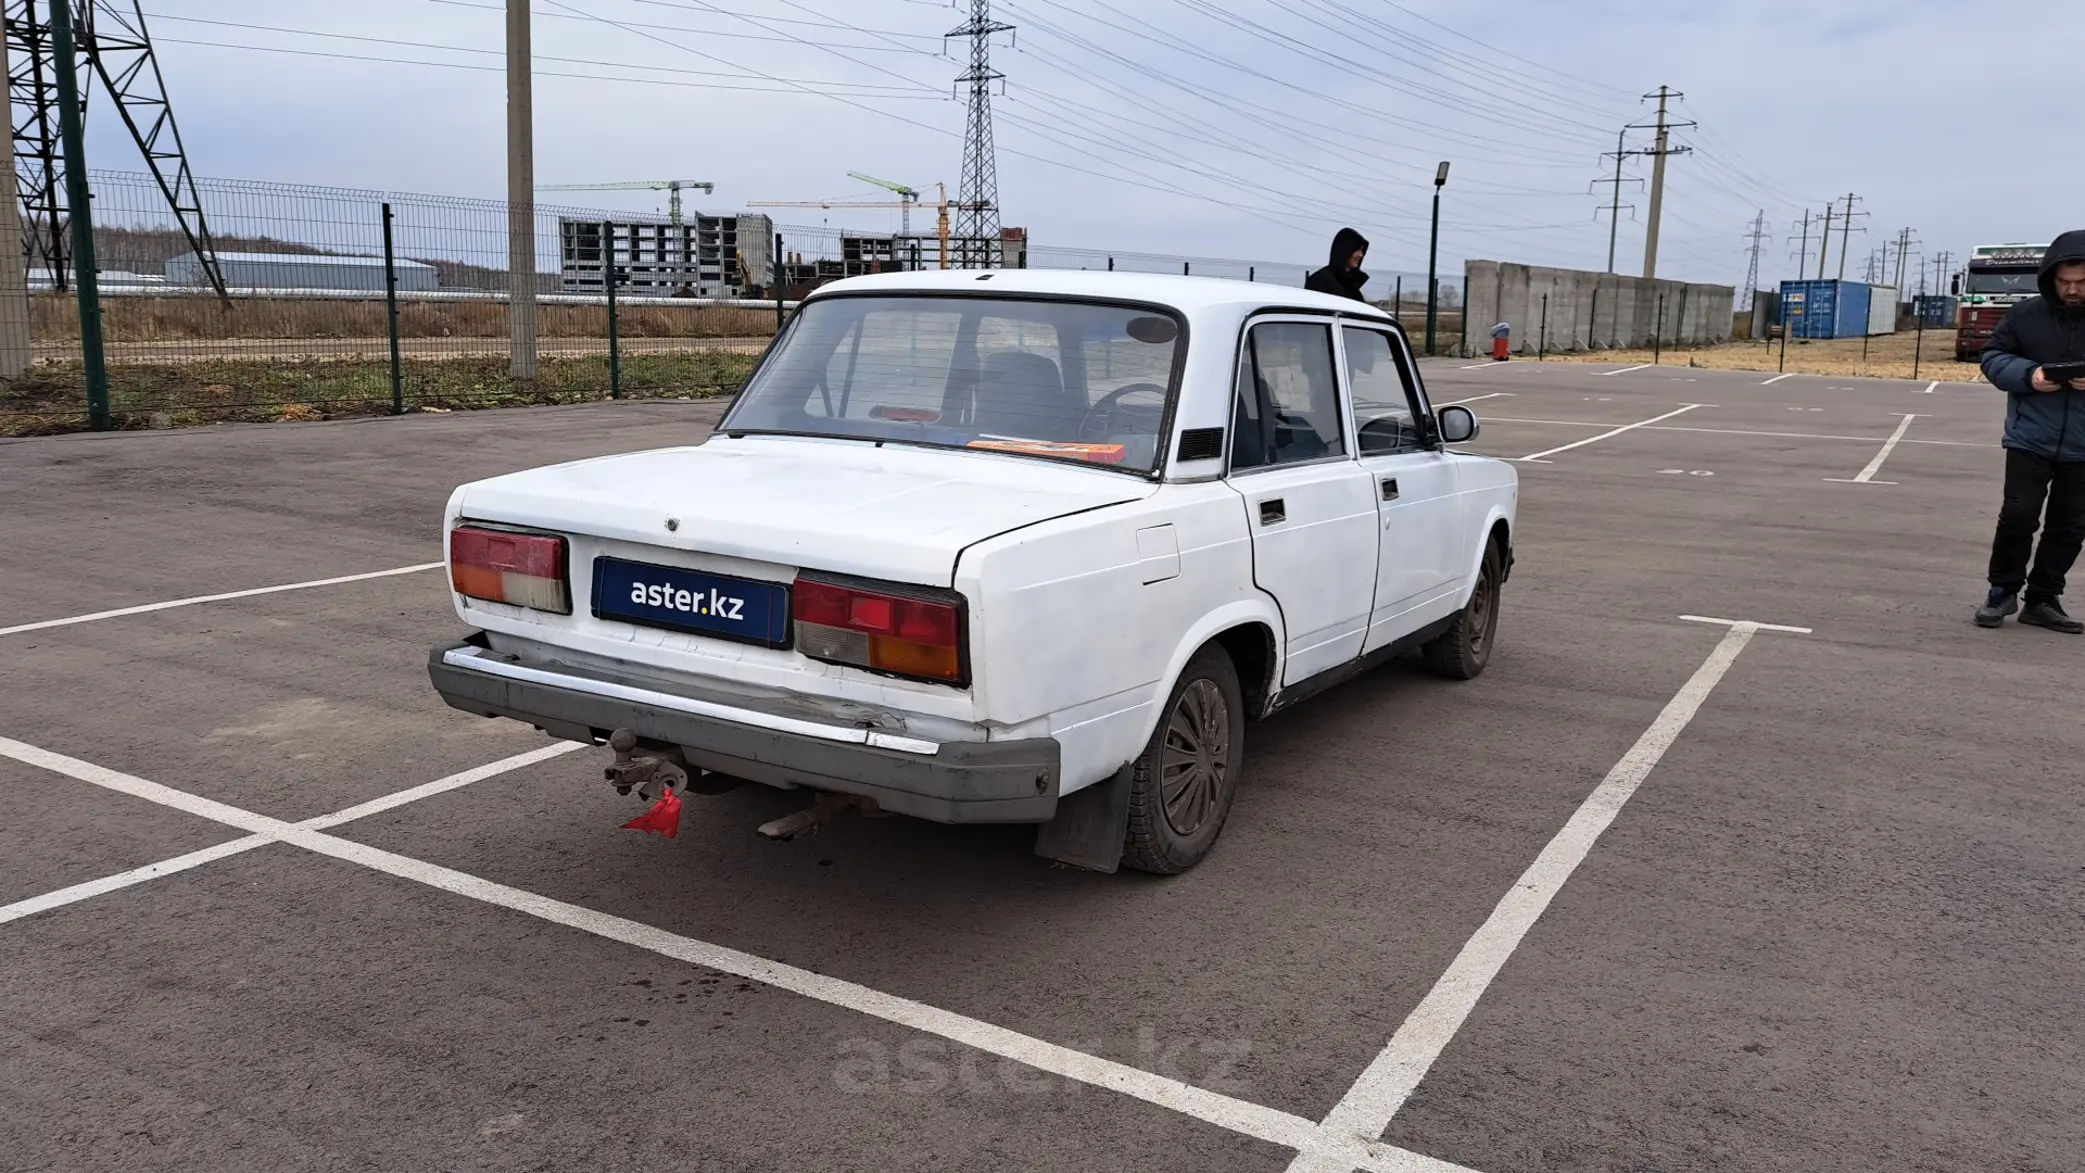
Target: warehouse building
(300, 271)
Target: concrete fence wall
(1589, 311)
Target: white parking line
(182, 863)
(122, 880)
(1475, 398)
(1867, 475)
(1625, 370)
(1615, 432)
(1507, 419)
(1374, 1100)
(190, 602)
(1228, 1112)
(1778, 378)
(1929, 387)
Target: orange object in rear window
(524, 570)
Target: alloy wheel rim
(1195, 760)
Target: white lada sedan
(1006, 546)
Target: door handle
(1272, 510)
(1389, 488)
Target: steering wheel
(1105, 410)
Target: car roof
(1186, 294)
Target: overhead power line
(803, 86)
(670, 28)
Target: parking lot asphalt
(1831, 925)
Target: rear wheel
(1182, 785)
(1462, 651)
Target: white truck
(1004, 546)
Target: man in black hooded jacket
(2044, 444)
(1343, 277)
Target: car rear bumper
(946, 782)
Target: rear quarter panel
(1070, 641)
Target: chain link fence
(308, 326)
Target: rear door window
(1287, 400)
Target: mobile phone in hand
(2063, 372)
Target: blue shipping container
(1936, 311)
(1825, 309)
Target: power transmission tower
(1758, 238)
(113, 42)
(1846, 231)
(1904, 242)
(977, 244)
(1802, 250)
(1658, 152)
(1615, 205)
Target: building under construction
(732, 256)
(862, 255)
(706, 256)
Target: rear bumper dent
(946, 782)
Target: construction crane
(906, 195)
(941, 204)
(672, 188)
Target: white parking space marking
(1625, 370)
(1684, 409)
(246, 594)
(1745, 623)
(1929, 387)
(1475, 398)
(1240, 1116)
(1778, 378)
(1867, 475)
(122, 880)
(1374, 1100)
(1507, 419)
(182, 863)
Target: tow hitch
(656, 776)
(643, 774)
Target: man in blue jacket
(2044, 444)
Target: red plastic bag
(664, 817)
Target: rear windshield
(1078, 381)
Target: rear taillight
(525, 570)
(902, 634)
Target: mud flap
(1088, 829)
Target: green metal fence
(346, 302)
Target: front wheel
(1182, 784)
(1461, 652)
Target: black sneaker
(1996, 608)
(2050, 614)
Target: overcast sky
(1216, 128)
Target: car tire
(1462, 651)
(1181, 786)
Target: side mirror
(1458, 425)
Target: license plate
(690, 600)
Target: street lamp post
(1433, 252)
